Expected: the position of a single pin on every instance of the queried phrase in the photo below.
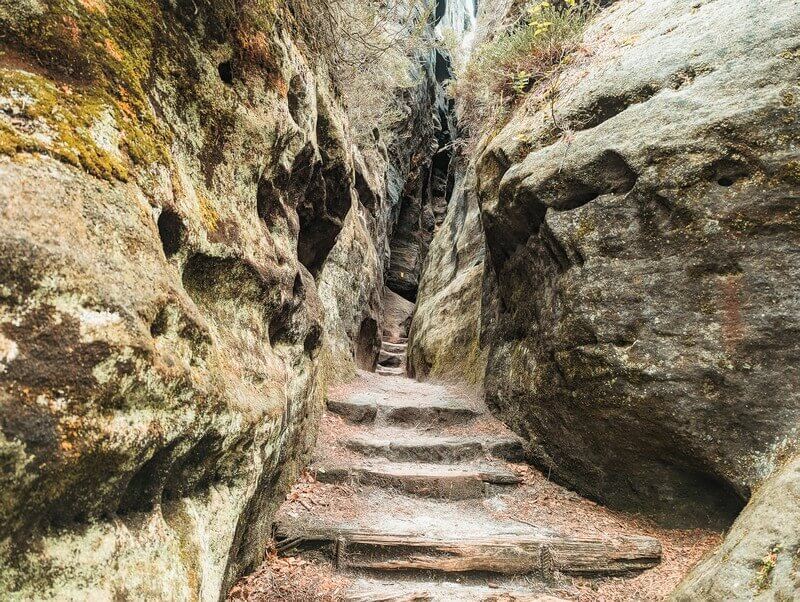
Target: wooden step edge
(442, 414)
(508, 554)
(358, 413)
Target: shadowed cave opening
(171, 231)
(225, 71)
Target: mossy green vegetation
(58, 122)
(74, 63)
(525, 57)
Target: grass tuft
(529, 53)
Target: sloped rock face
(397, 314)
(349, 287)
(445, 338)
(641, 236)
(173, 178)
(760, 556)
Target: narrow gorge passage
(416, 493)
(399, 300)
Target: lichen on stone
(91, 57)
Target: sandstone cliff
(639, 302)
(189, 239)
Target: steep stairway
(392, 358)
(416, 496)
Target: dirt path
(417, 493)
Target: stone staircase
(392, 358)
(432, 492)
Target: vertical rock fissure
(429, 186)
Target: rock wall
(386, 232)
(445, 338)
(177, 182)
(640, 236)
(420, 205)
(396, 316)
(448, 338)
(640, 294)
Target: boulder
(760, 556)
(445, 338)
(641, 225)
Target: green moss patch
(89, 57)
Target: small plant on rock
(529, 52)
(768, 563)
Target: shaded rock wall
(177, 179)
(445, 338)
(639, 237)
(421, 203)
(639, 300)
(397, 316)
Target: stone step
(375, 590)
(364, 412)
(384, 371)
(391, 360)
(438, 449)
(507, 554)
(394, 347)
(445, 481)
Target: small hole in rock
(297, 289)
(160, 324)
(170, 229)
(225, 70)
(295, 97)
(725, 181)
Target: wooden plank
(507, 554)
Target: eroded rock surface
(640, 298)
(760, 556)
(421, 203)
(641, 237)
(177, 182)
(445, 339)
